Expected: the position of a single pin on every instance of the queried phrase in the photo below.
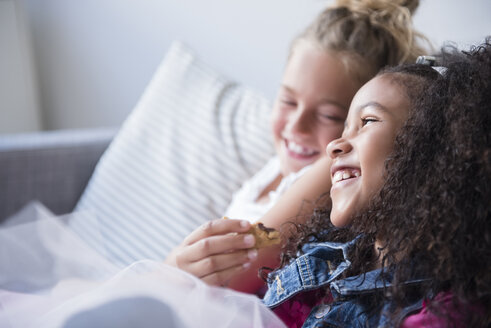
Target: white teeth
(338, 176)
(344, 174)
(296, 148)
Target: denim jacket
(320, 265)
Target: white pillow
(192, 140)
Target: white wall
(19, 106)
(94, 57)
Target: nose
(338, 147)
(299, 122)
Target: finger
(222, 262)
(217, 227)
(215, 245)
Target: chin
(337, 220)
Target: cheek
(373, 171)
(277, 124)
(377, 178)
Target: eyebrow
(324, 100)
(374, 104)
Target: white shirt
(244, 205)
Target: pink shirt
(450, 311)
(295, 311)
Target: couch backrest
(52, 167)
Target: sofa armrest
(52, 167)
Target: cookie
(265, 236)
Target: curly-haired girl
(423, 234)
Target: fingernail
(252, 254)
(249, 240)
(244, 223)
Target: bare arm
(295, 205)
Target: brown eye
(368, 120)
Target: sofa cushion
(193, 138)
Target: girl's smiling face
(311, 106)
(379, 109)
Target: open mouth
(299, 151)
(345, 174)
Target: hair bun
(412, 5)
(362, 6)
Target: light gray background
(93, 58)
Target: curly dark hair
(432, 215)
(433, 212)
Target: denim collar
(366, 283)
(319, 265)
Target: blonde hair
(367, 34)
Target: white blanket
(50, 278)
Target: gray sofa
(52, 167)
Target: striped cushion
(191, 141)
